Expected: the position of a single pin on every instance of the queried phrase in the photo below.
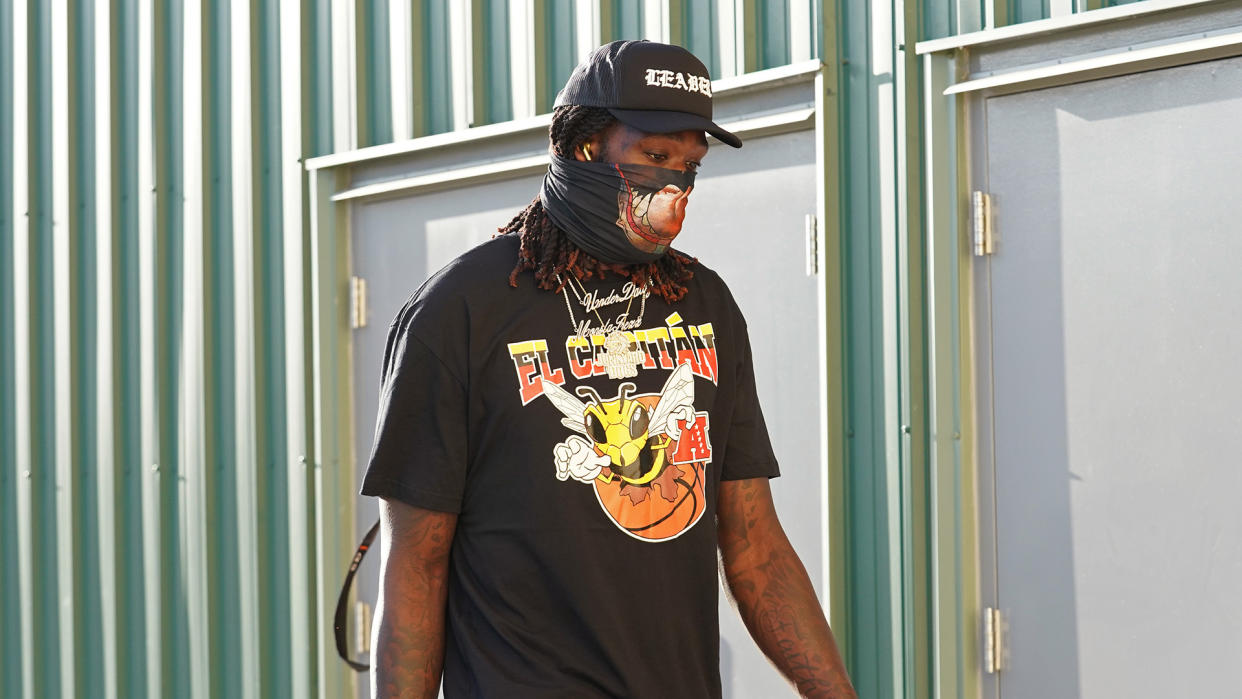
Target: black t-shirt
(584, 471)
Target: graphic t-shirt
(583, 460)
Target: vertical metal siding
(156, 528)
(86, 628)
(374, 70)
(916, 648)
(289, 543)
(562, 48)
(889, 643)
(621, 20)
(167, 630)
(275, 467)
(119, 416)
(697, 27)
(436, 103)
(774, 20)
(497, 93)
(40, 395)
(11, 656)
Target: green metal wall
(156, 497)
(168, 488)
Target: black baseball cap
(652, 87)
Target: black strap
(341, 602)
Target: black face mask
(623, 214)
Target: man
(569, 433)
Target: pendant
(619, 360)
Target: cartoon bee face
(631, 432)
(619, 429)
(628, 450)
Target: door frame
(959, 75)
(797, 97)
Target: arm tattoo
(408, 642)
(774, 595)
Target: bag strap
(341, 602)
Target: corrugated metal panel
(11, 587)
(156, 498)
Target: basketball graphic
(655, 518)
(645, 455)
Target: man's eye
(693, 166)
(658, 157)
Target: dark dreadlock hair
(548, 251)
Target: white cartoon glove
(685, 413)
(576, 458)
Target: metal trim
(1163, 56)
(829, 320)
(331, 464)
(440, 140)
(770, 77)
(460, 176)
(952, 556)
(1055, 24)
(516, 167)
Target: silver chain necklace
(620, 358)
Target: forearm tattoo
(774, 595)
(409, 634)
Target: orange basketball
(655, 518)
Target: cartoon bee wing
(678, 392)
(570, 407)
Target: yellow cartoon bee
(629, 435)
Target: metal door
(1110, 330)
(747, 220)
(396, 245)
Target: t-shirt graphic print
(644, 454)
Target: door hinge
(812, 245)
(994, 630)
(357, 302)
(981, 222)
(362, 626)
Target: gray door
(1111, 313)
(396, 245)
(746, 220)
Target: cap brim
(659, 121)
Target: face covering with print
(622, 214)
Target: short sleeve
(749, 452)
(420, 452)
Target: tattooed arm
(408, 636)
(774, 594)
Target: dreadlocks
(548, 251)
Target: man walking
(569, 434)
